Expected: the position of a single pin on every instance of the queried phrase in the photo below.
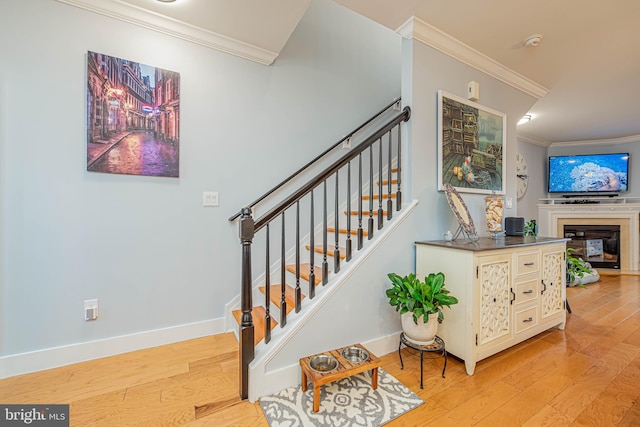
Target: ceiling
(588, 59)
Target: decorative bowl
(323, 363)
(355, 354)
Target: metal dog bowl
(323, 363)
(355, 354)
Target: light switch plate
(209, 198)
(509, 203)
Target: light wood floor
(588, 374)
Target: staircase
(274, 296)
(356, 193)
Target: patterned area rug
(348, 402)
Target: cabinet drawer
(526, 319)
(527, 262)
(526, 291)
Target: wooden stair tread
(376, 197)
(276, 297)
(344, 231)
(386, 182)
(258, 313)
(330, 251)
(366, 213)
(305, 271)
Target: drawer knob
(527, 320)
(530, 291)
(529, 263)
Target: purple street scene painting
(133, 117)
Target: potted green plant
(578, 269)
(420, 304)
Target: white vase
(422, 333)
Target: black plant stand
(566, 300)
(436, 347)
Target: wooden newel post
(246, 325)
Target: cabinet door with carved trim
(495, 300)
(552, 285)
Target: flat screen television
(604, 174)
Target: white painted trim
(290, 376)
(175, 28)
(258, 382)
(22, 363)
(550, 215)
(431, 36)
(622, 140)
(544, 143)
(532, 140)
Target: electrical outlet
(209, 198)
(90, 309)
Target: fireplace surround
(554, 215)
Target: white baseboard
(23, 363)
(290, 376)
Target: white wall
(145, 246)
(536, 158)
(360, 312)
(432, 70)
(633, 148)
(537, 164)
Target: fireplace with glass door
(597, 244)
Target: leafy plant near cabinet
(422, 298)
(576, 267)
(530, 228)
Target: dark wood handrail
(322, 176)
(248, 227)
(318, 157)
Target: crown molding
(611, 141)
(530, 139)
(175, 28)
(415, 28)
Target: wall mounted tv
(593, 174)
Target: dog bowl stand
(344, 369)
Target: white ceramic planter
(422, 333)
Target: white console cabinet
(509, 289)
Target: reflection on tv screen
(596, 173)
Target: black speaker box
(514, 226)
